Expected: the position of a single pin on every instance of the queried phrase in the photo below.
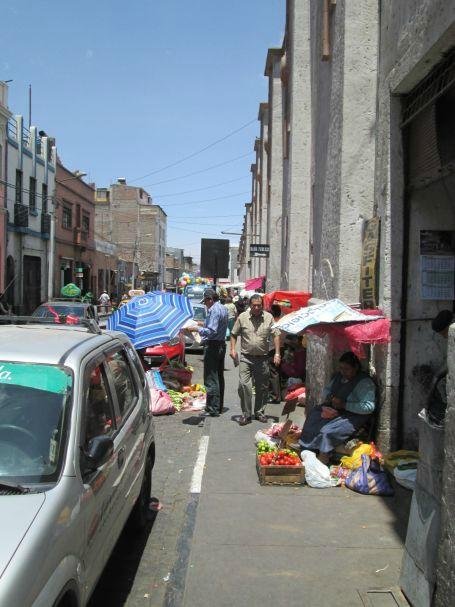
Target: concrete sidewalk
(293, 546)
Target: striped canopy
(151, 319)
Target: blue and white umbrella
(151, 319)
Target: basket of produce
(278, 466)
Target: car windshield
(51, 310)
(192, 292)
(34, 407)
(199, 313)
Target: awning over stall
(254, 283)
(348, 329)
(288, 301)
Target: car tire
(140, 513)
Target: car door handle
(121, 457)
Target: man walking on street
(213, 333)
(105, 301)
(254, 326)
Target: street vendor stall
(348, 328)
(289, 301)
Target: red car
(158, 356)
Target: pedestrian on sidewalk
(254, 327)
(232, 315)
(213, 333)
(105, 301)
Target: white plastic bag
(317, 474)
(260, 435)
(406, 478)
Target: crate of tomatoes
(279, 467)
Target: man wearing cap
(254, 327)
(213, 333)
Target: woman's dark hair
(350, 359)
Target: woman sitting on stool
(349, 400)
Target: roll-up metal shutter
(426, 125)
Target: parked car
(157, 356)
(66, 311)
(195, 292)
(199, 313)
(77, 449)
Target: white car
(77, 449)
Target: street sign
(259, 250)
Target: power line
(206, 216)
(178, 204)
(209, 187)
(194, 231)
(207, 147)
(214, 166)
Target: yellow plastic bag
(355, 460)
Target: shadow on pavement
(399, 505)
(118, 576)
(193, 420)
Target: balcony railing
(12, 129)
(21, 215)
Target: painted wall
(297, 165)
(274, 170)
(413, 38)
(343, 91)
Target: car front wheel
(139, 514)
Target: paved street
(140, 566)
(243, 544)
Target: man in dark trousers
(213, 333)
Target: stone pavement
(294, 546)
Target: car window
(199, 313)
(99, 418)
(35, 402)
(134, 358)
(50, 310)
(123, 381)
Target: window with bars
(44, 193)
(67, 217)
(85, 225)
(32, 195)
(18, 186)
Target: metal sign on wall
(369, 264)
(259, 250)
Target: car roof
(50, 344)
(61, 302)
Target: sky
(129, 88)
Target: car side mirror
(98, 452)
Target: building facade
(30, 176)
(127, 217)
(174, 266)
(5, 115)
(74, 258)
(358, 140)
